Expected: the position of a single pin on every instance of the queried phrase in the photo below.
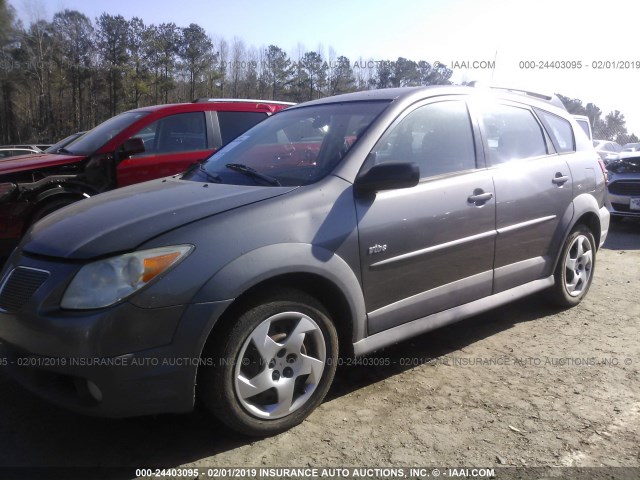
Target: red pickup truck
(132, 147)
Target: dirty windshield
(295, 147)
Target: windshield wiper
(239, 167)
(212, 177)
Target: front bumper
(620, 190)
(619, 205)
(120, 361)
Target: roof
(413, 94)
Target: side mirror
(388, 176)
(130, 147)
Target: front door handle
(480, 197)
(560, 179)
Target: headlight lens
(105, 282)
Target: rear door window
(512, 133)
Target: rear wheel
(574, 272)
(273, 366)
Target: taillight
(603, 167)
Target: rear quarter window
(560, 131)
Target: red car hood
(21, 163)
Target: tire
(575, 269)
(51, 206)
(269, 369)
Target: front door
(428, 248)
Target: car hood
(21, 163)
(122, 219)
(630, 164)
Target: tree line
(612, 126)
(71, 73)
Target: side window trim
(214, 138)
(215, 127)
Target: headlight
(105, 282)
(7, 190)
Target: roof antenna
(493, 70)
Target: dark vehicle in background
(631, 147)
(135, 146)
(336, 227)
(623, 190)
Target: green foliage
(613, 127)
(72, 73)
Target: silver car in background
(623, 196)
(333, 228)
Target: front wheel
(574, 272)
(272, 367)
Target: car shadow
(624, 235)
(37, 434)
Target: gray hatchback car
(335, 227)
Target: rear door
(533, 189)
(428, 248)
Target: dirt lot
(520, 385)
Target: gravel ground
(523, 385)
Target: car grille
(625, 188)
(18, 286)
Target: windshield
(96, 138)
(63, 143)
(294, 147)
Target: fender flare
(582, 204)
(265, 263)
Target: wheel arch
(313, 270)
(585, 212)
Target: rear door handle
(560, 179)
(479, 197)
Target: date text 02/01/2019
(579, 65)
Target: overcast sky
(448, 31)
